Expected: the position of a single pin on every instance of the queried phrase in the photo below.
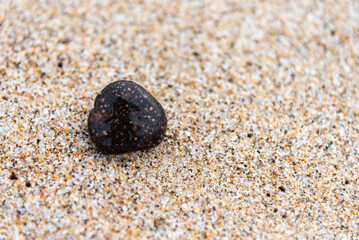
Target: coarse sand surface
(262, 101)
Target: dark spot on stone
(60, 64)
(126, 118)
(282, 188)
(13, 176)
(268, 194)
(347, 181)
(250, 135)
(28, 184)
(275, 210)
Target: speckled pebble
(126, 118)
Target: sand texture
(262, 101)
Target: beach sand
(262, 101)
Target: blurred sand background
(262, 100)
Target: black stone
(13, 176)
(126, 118)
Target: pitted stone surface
(126, 118)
